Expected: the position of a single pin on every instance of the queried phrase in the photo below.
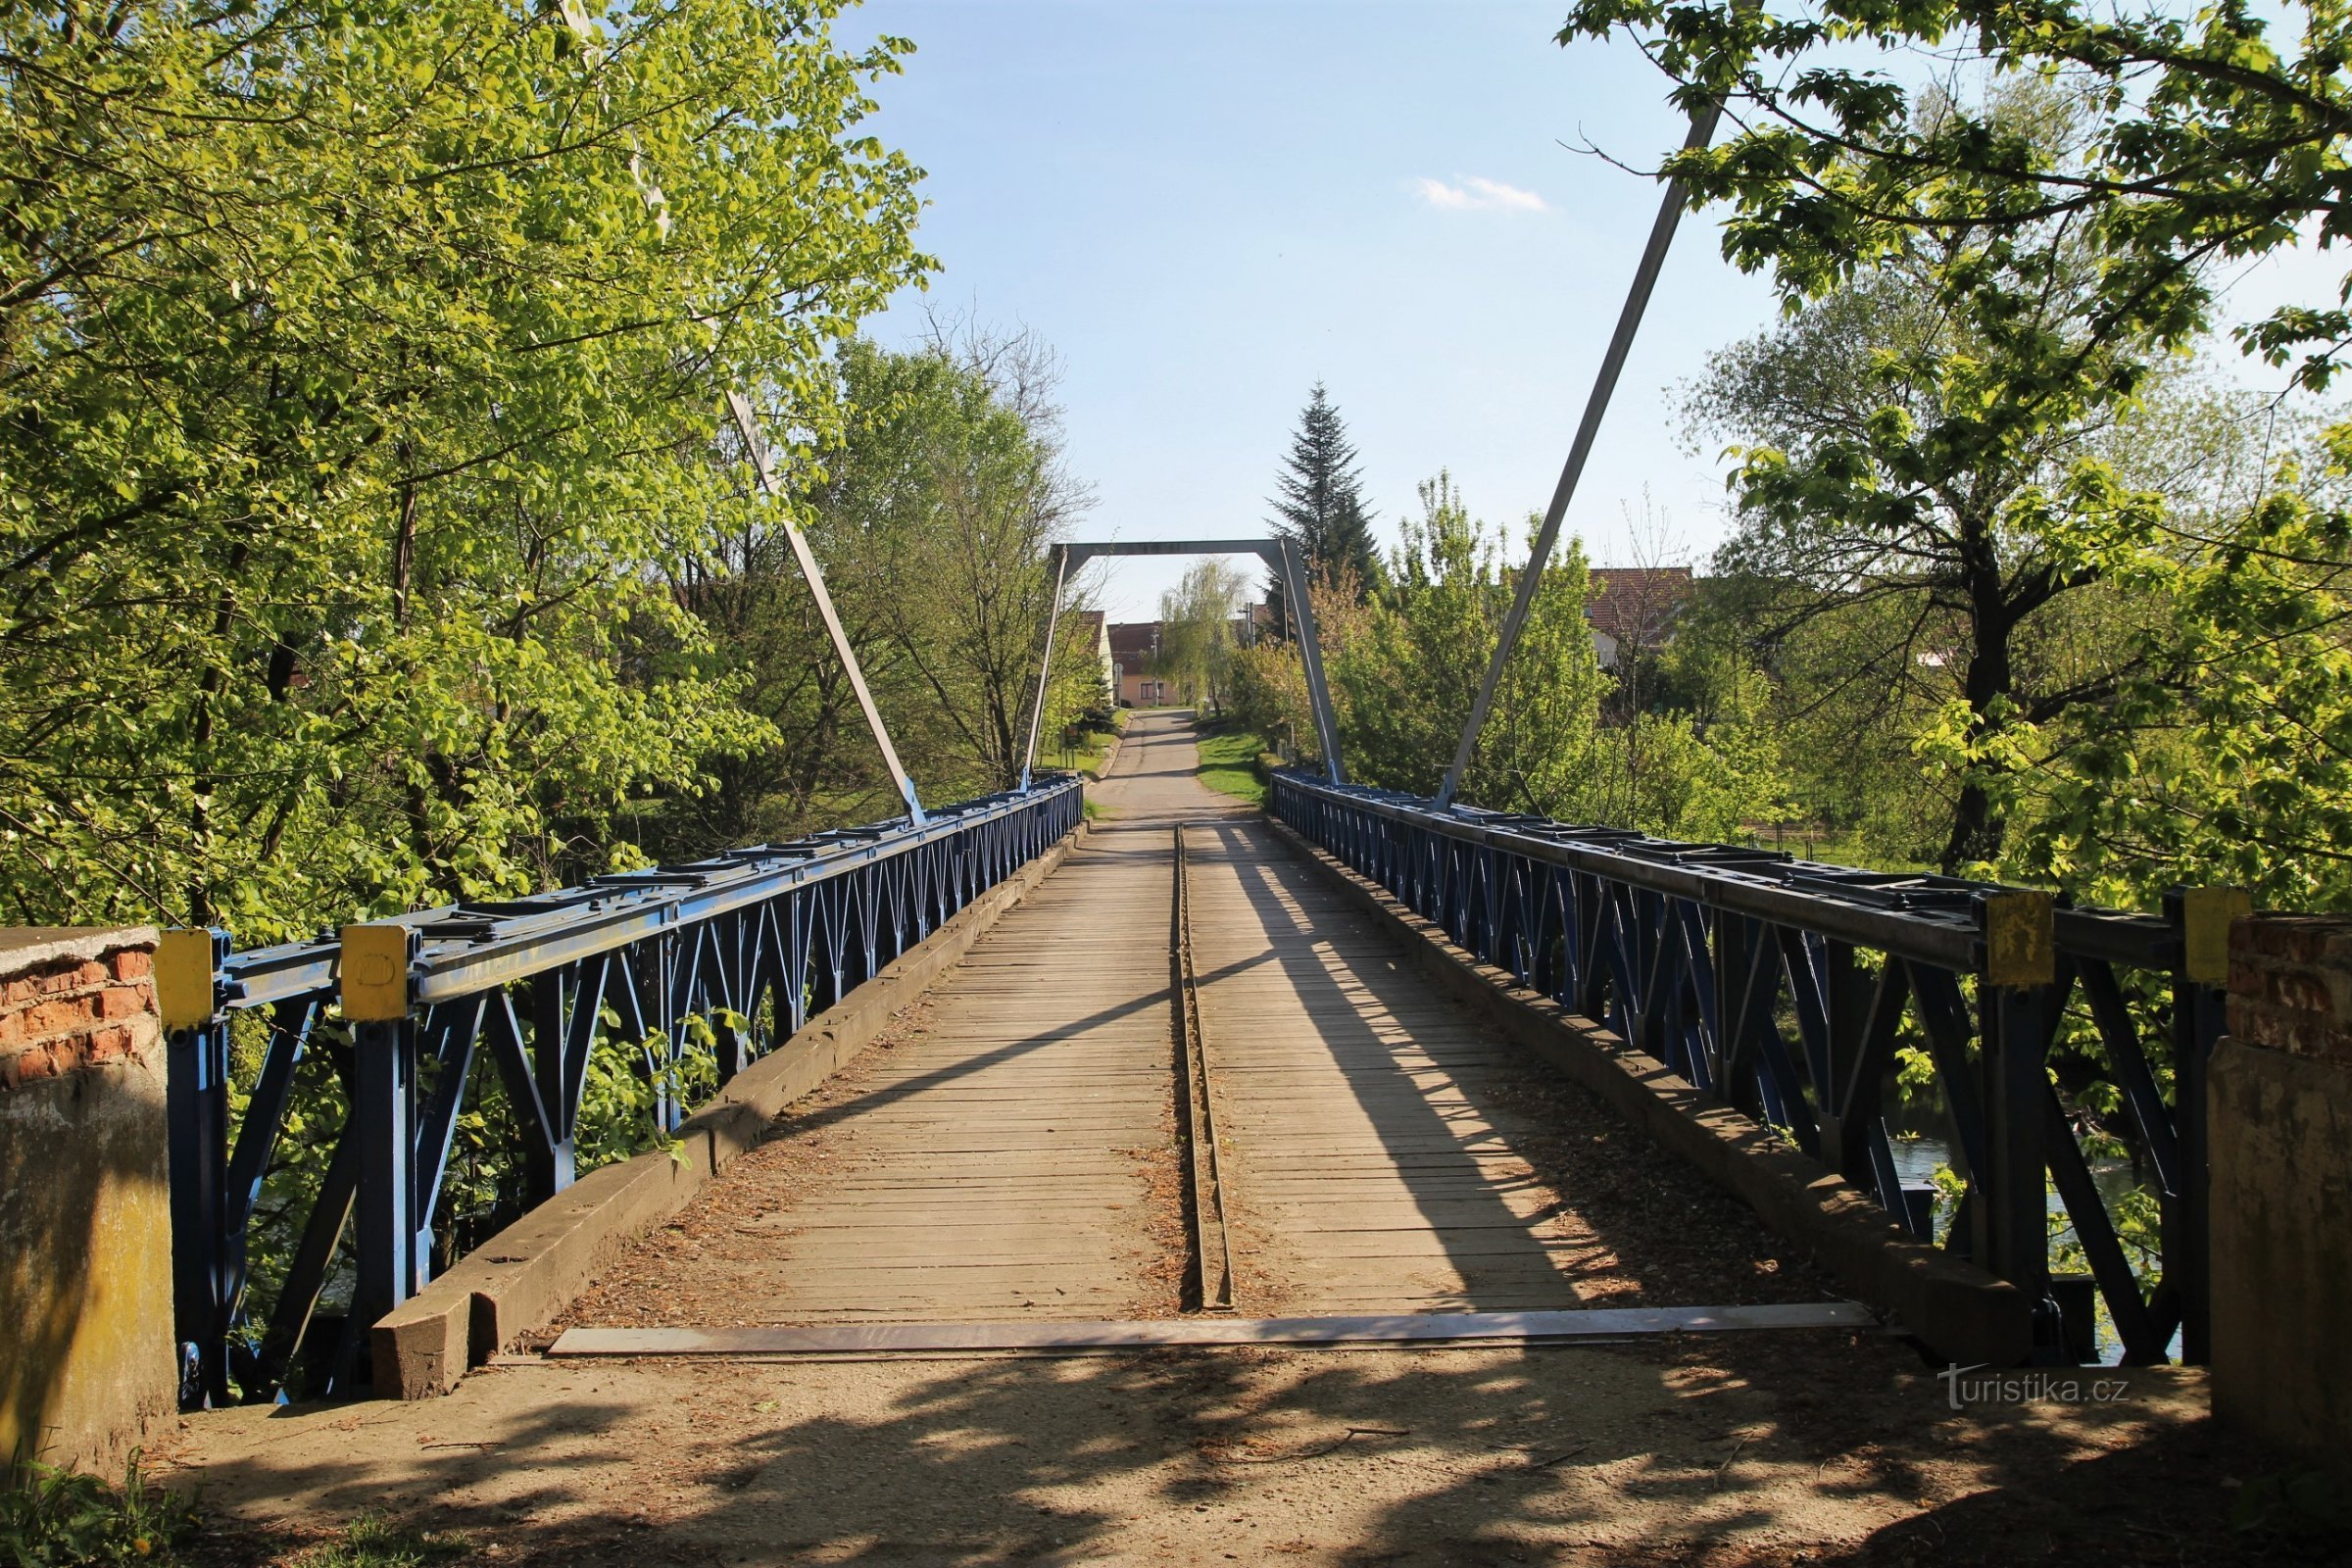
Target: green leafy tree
(1700, 753)
(1846, 731)
(946, 515)
(1196, 641)
(1873, 468)
(1405, 668)
(2227, 760)
(2205, 137)
(931, 516)
(2218, 743)
(1269, 694)
(363, 371)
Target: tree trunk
(1976, 833)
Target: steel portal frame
(1280, 553)
(1710, 956)
(752, 942)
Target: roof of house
(1635, 604)
(1132, 641)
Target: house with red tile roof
(1633, 607)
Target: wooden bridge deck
(1367, 1137)
(995, 1160)
(1378, 1156)
(1009, 1149)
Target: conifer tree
(1318, 502)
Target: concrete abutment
(2281, 1104)
(85, 1222)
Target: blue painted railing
(1784, 988)
(745, 944)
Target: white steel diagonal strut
(1629, 321)
(1045, 669)
(749, 426)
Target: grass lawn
(1086, 759)
(1229, 761)
(1831, 847)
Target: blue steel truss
(752, 942)
(1750, 974)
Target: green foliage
(940, 509)
(1882, 480)
(1405, 668)
(372, 1542)
(931, 517)
(57, 1518)
(940, 462)
(1696, 751)
(1229, 764)
(1088, 754)
(2203, 138)
(2140, 611)
(1845, 713)
(369, 539)
(1197, 632)
(1319, 505)
(1663, 773)
(362, 368)
(1268, 689)
(2226, 759)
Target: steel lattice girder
(1280, 553)
(1703, 956)
(750, 942)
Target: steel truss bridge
(1772, 986)
(1210, 968)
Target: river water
(1916, 1159)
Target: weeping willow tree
(1196, 638)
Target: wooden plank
(1370, 1162)
(1001, 1154)
(1427, 1328)
(998, 1155)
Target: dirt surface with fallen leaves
(1736, 1450)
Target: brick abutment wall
(2280, 1103)
(85, 1235)
(83, 1013)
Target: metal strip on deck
(1412, 1328)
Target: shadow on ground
(1799, 1448)
(1741, 1453)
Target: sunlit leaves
(363, 366)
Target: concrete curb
(1957, 1308)
(522, 1278)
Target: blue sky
(1207, 206)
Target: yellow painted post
(2021, 940)
(375, 973)
(2205, 916)
(183, 979)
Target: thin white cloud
(1476, 194)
